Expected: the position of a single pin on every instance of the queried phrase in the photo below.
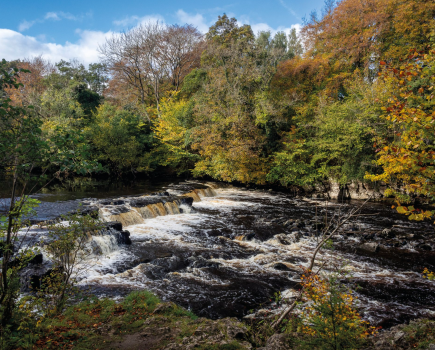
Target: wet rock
(115, 225)
(281, 267)
(388, 233)
(200, 262)
(90, 210)
(283, 239)
(369, 236)
(424, 246)
(112, 202)
(250, 236)
(124, 237)
(288, 223)
(295, 237)
(37, 259)
(369, 247)
(246, 237)
(161, 194)
(300, 223)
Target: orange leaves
(409, 156)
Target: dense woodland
(348, 98)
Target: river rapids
(225, 251)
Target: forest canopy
(294, 109)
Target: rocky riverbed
(224, 251)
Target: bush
(330, 321)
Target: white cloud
(24, 25)
(196, 20)
(14, 45)
(133, 21)
(54, 16)
(259, 27)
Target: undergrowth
(89, 324)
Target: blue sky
(74, 29)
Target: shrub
(330, 320)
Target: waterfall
(103, 245)
(135, 210)
(129, 218)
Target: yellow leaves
(427, 274)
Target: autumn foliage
(330, 319)
(407, 153)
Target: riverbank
(143, 321)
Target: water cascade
(225, 251)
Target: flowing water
(230, 250)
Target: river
(228, 252)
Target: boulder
(388, 233)
(424, 246)
(370, 247)
(124, 237)
(37, 259)
(115, 225)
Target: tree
(174, 131)
(70, 250)
(337, 143)
(122, 139)
(23, 148)
(407, 154)
(294, 44)
(149, 56)
(234, 106)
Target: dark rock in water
(89, 210)
(250, 236)
(424, 246)
(369, 247)
(115, 225)
(369, 236)
(124, 237)
(288, 223)
(281, 267)
(300, 224)
(200, 262)
(161, 194)
(187, 201)
(37, 259)
(288, 239)
(283, 239)
(112, 202)
(388, 233)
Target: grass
(90, 324)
